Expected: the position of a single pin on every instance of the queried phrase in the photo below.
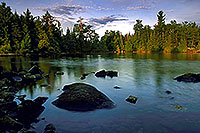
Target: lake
(146, 76)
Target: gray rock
(82, 97)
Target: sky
(111, 14)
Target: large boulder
(82, 97)
(189, 77)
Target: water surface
(146, 76)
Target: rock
(40, 100)
(189, 77)
(7, 123)
(82, 97)
(35, 70)
(29, 110)
(50, 128)
(168, 92)
(104, 73)
(179, 107)
(112, 73)
(83, 76)
(117, 87)
(132, 99)
(101, 73)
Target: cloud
(102, 8)
(65, 9)
(168, 10)
(105, 20)
(138, 7)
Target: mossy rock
(82, 97)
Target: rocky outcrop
(23, 76)
(189, 77)
(14, 117)
(82, 97)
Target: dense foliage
(172, 37)
(26, 34)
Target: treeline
(172, 37)
(26, 34)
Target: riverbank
(83, 53)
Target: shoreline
(115, 52)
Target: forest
(24, 34)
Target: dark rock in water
(7, 123)
(40, 100)
(104, 73)
(101, 73)
(83, 76)
(117, 87)
(50, 128)
(189, 77)
(111, 74)
(35, 70)
(132, 99)
(168, 92)
(82, 97)
(29, 110)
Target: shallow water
(146, 76)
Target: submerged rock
(50, 128)
(179, 107)
(82, 97)
(104, 73)
(189, 77)
(132, 99)
(168, 92)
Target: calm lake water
(146, 76)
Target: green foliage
(43, 35)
